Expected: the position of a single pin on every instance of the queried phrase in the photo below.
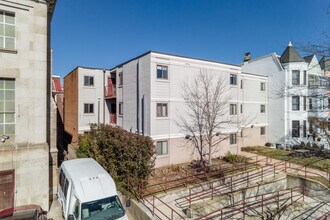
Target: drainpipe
(142, 114)
(98, 110)
(137, 99)
(104, 74)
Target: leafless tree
(206, 113)
(322, 47)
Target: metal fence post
(212, 190)
(189, 198)
(153, 205)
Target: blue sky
(104, 33)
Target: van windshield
(107, 209)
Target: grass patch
(310, 161)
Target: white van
(87, 191)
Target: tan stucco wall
(182, 151)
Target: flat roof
(174, 55)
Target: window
(62, 180)
(262, 108)
(7, 30)
(295, 77)
(162, 72)
(304, 129)
(88, 80)
(162, 148)
(233, 139)
(233, 79)
(328, 103)
(295, 103)
(262, 86)
(65, 189)
(7, 106)
(233, 109)
(262, 131)
(310, 104)
(88, 108)
(76, 208)
(241, 84)
(120, 110)
(161, 109)
(305, 77)
(120, 76)
(295, 129)
(241, 108)
(305, 103)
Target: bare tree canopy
(206, 112)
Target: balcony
(110, 92)
(113, 118)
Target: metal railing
(113, 118)
(229, 184)
(152, 202)
(167, 182)
(110, 91)
(263, 200)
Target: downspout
(142, 114)
(137, 99)
(104, 74)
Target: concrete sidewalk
(55, 211)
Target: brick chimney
(247, 57)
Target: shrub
(234, 158)
(268, 144)
(121, 153)
(251, 149)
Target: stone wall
(31, 165)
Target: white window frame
(298, 134)
(295, 81)
(120, 79)
(6, 112)
(162, 153)
(120, 108)
(262, 130)
(262, 86)
(297, 105)
(262, 108)
(88, 84)
(4, 23)
(162, 68)
(233, 79)
(88, 105)
(162, 114)
(233, 139)
(232, 109)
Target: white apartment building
(297, 90)
(144, 95)
(25, 94)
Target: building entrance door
(7, 185)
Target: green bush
(252, 149)
(123, 154)
(234, 158)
